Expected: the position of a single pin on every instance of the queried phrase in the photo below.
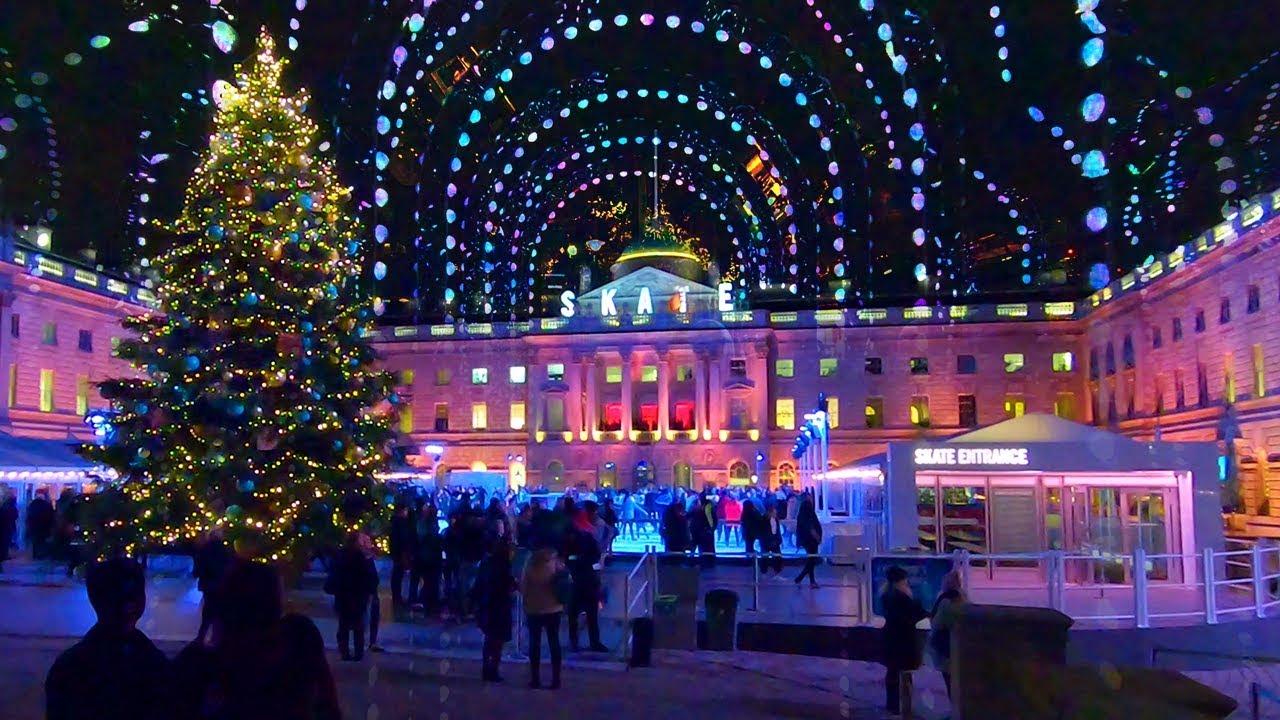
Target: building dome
(659, 247)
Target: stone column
(573, 399)
(700, 393)
(592, 400)
(664, 393)
(758, 371)
(716, 395)
(627, 400)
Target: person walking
(8, 527)
(115, 672)
(495, 590)
(771, 542)
(941, 620)
(209, 565)
(352, 582)
(900, 651)
(809, 537)
(540, 586)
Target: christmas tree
(260, 410)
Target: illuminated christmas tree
(261, 411)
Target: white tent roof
(1038, 427)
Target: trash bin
(641, 642)
(722, 619)
(666, 605)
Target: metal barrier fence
(1207, 587)
(1252, 678)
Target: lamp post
(437, 453)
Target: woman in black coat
(900, 651)
(353, 583)
(809, 537)
(494, 601)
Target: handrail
(1259, 659)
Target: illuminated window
(827, 367)
(13, 385)
(49, 334)
(1228, 378)
(920, 411)
(1064, 362)
(968, 411)
(785, 414)
(85, 342)
(874, 366)
(1064, 406)
(1259, 373)
(517, 374)
(966, 364)
(919, 366)
(442, 417)
(785, 368)
(737, 368)
(479, 416)
(555, 372)
(874, 412)
(46, 391)
(613, 374)
(833, 412)
(612, 420)
(1014, 362)
(480, 376)
(649, 374)
(517, 416)
(682, 416)
(443, 376)
(1253, 301)
(1014, 406)
(406, 378)
(406, 419)
(83, 389)
(648, 420)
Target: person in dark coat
(209, 565)
(675, 528)
(428, 561)
(771, 540)
(809, 537)
(8, 527)
(495, 600)
(751, 530)
(353, 583)
(583, 556)
(401, 539)
(900, 649)
(259, 663)
(40, 519)
(115, 672)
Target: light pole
(437, 453)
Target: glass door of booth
(1109, 524)
(1147, 526)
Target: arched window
(786, 474)
(644, 474)
(683, 475)
(553, 478)
(608, 475)
(478, 466)
(739, 474)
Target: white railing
(638, 587)
(1149, 589)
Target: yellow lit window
(1063, 362)
(13, 385)
(480, 376)
(517, 374)
(1014, 362)
(785, 368)
(443, 376)
(785, 414)
(920, 411)
(83, 389)
(406, 378)
(517, 416)
(613, 374)
(833, 413)
(1014, 406)
(1228, 378)
(406, 419)
(1065, 406)
(479, 416)
(874, 412)
(46, 391)
(827, 367)
(649, 374)
(1259, 373)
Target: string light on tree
(260, 411)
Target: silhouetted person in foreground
(900, 651)
(258, 663)
(209, 565)
(115, 671)
(495, 599)
(353, 584)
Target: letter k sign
(607, 308)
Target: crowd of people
(51, 531)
